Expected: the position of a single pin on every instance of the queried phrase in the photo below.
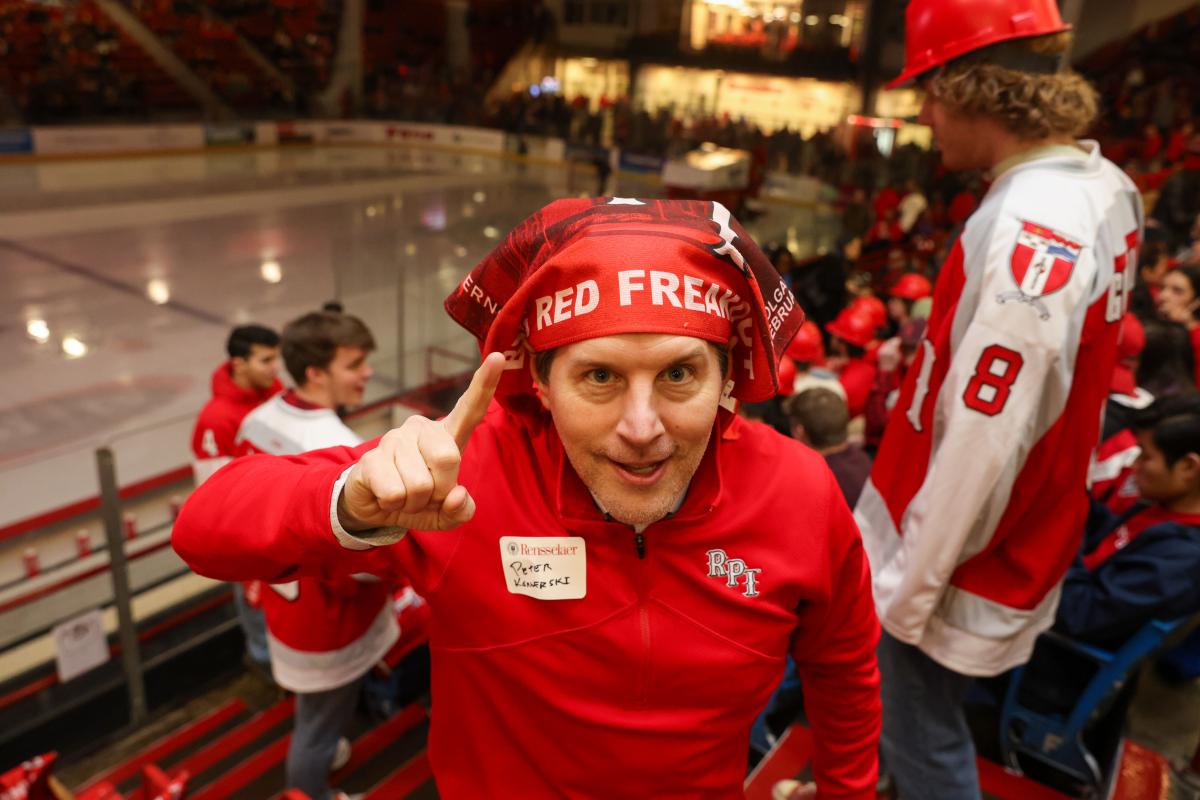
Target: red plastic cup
(32, 565)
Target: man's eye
(677, 374)
(600, 375)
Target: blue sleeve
(1153, 578)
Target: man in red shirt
(248, 378)
(850, 335)
(240, 384)
(612, 559)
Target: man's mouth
(639, 472)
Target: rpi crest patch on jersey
(1041, 264)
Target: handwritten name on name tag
(545, 567)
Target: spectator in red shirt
(1178, 143)
(248, 378)
(887, 200)
(1152, 142)
(850, 335)
(962, 206)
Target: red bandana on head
(590, 267)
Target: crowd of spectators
(60, 64)
(212, 49)
(297, 36)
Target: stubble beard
(633, 506)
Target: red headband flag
(588, 267)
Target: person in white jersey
(324, 634)
(974, 507)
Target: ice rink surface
(122, 277)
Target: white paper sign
(80, 645)
(545, 567)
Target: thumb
(457, 508)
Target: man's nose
(925, 117)
(640, 422)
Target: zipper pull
(640, 541)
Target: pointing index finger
(470, 409)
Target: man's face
(260, 368)
(347, 376)
(1176, 299)
(897, 308)
(960, 138)
(635, 412)
(1156, 481)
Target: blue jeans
(926, 742)
(321, 719)
(254, 627)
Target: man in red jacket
(240, 384)
(248, 378)
(613, 560)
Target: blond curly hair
(1030, 105)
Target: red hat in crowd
(939, 31)
(807, 345)
(1130, 342)
(912, 286)
(582, 268)
(873, 308)
(855, 326)
(787, 377)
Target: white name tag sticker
(545, 567)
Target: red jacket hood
(224, 387)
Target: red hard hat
(807, 346)
(854, 325)
(787, 376)
(873, 307)
(912, 286)
(938, 31)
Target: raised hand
(410, 480)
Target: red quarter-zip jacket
(647, 685)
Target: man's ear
(315, 375)
(798, 433)
(539, 388)
(1190, 464)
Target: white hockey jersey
(321, 633)
(977, 499)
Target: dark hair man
(245, 380)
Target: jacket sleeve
(1152, 578)
(834, 650)
(269, 518)
(1006, 383)
(212, 443)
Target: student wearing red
(600, 556)
(246, 380)
(1112, 473)
(850, 335)
(978, 491)
(325, 632)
